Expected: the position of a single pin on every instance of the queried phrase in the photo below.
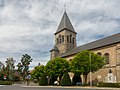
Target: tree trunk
(85, 76)
(60, 77)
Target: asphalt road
(18, 87)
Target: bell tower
(65, 36)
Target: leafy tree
(25, 60)
(10, 68)
(19, 69)
(56, 68)
(1, 65)
(85, 61)
(65, 81)
(1, 70)
(38, 72)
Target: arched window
(57, 41)
(70, 38)
(99, 54)
(62, 39)
(73, 40)
(107, 58)
(70, 60)
(67, 38)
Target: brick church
(65, 47)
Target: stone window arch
(70, 60)
(107, 58)
(99, 53)
(62, 39)
(67, 38)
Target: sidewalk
(74, 87)
(32, 84)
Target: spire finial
(65, 7)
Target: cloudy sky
(28, 26)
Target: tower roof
(55, 48)
(65, 24)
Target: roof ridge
(109, 40)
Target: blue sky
(28, 26)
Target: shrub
(66, 80)
(101, 84)
(6, 83)
(43, 81)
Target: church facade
(66, 47)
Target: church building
(66, 47)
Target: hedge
(101, 84)
(6, 83)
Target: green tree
(19, 68)
(38, 72)
(10, 68)
(65, 81)
(1, 70)
(85, 61)
(56, 68)
(25, 60)
(1, 65)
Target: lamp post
(90, 71)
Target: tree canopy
(25, 61)
(85, 61)
(37, 72)
(57, 67)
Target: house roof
(65, 23)
(95, 44)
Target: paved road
(18, 87)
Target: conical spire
(65, 24)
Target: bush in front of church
(101, 84)
(43, 80)
(66, 80)
(6, 83)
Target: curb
(72, 87)
(2, 85)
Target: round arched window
(99, 54)
(107, 58)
